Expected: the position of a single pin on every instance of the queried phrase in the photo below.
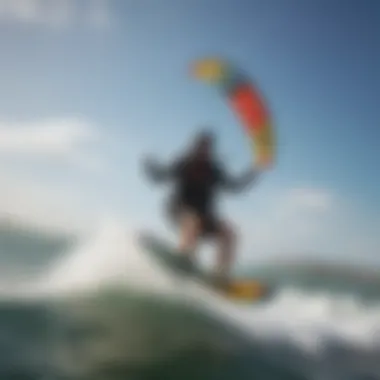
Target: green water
(113, 334)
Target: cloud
(46, 206)
(68, 140)
(293, 218)
(37, 186)
(53, 198)
(37, 200)
(307, 221)
(309, 199)
(56, 13)
(33, 200)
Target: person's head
(204, 144)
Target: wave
(114, 312)
(118, 333)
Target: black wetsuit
(196, 183)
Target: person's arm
(161, 173)
(239, 183)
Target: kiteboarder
(197, 177)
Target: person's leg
(189, 232)
(225, 237)
(188, 229)
(187, 226)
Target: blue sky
(104, 82)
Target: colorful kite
(245, 100)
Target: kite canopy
(246, 102)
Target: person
(197, 178)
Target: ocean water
(95, 307)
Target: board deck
(248, 290)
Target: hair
(205, 135)
(200, 137)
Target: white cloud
(35, 199)
(64, 139)
(309, 199)
(292, 219)
(31, 195)
(56, 13)
(44, 206)
(304, 221)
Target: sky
(89, 87)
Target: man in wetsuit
(197, 177)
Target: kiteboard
(243, 290)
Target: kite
(246, 101)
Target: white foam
(111, 255)
(309, 321)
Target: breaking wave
(101, 309)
